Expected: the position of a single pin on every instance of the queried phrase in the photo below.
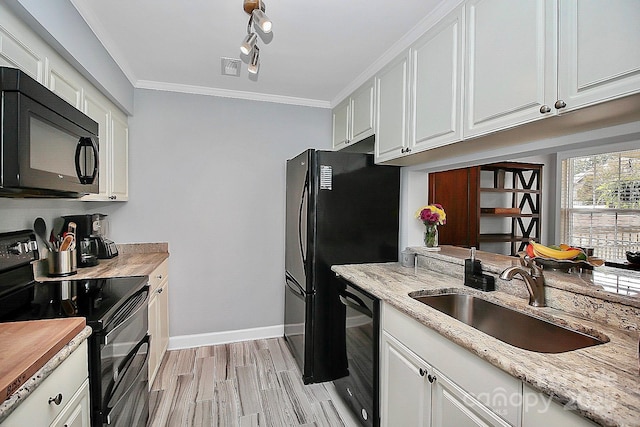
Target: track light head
(254, 65)
(262, 21)
(248, 43)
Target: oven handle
(359, 305)
(130, 356)
(141, 306)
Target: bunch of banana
(564, 252)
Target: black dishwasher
(359, 389)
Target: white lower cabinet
(427, 380)
(453, 406)
(540, 410)
(76, 413)
(61, 399)
(158, 317)
(405, 391)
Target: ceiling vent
(230, 66)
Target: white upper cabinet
(341, 124)
(353, 118)
(113, 134)
(61, 81)
(510, 63)
(362, 112)
(119, 172)
(599, 51)
(436, 85)
(98, 110)
(392, 103)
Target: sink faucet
(533, 278)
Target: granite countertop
(601, 382)
(134, 259)
(30, 385)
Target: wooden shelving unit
(521, 185)
(494, 207)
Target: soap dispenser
(473, 276)
(472, 267)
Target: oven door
(126, 401)
(122, 365)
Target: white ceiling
(316, 51)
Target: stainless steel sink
(513, 327)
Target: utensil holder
(62, 263)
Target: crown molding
(225, 93)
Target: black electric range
(115, 309)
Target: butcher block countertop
(601, 382)
(30, 351)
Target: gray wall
(207, 175)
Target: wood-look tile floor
(250, 383)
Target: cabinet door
(392, 103)
(158, 328)
(510, 64)
(76, 413)
(405, 390)
(61, 81)
(163, 319)
(540, 410)
(95, 108)
(13, 50)
(341, 124)
(437, 85)
(362, 112)
(154, 347)
(599, 50)
(457, 191)
(119, 157)
(452, 406)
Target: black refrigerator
(341, 208)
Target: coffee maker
(91, 232)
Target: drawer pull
(160, 290)
(159, 276)
(422, 372)
(57, 400)
(431, 378)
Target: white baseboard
(214, 338)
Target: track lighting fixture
(256, 10)
(255, 61)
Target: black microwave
(48, 147)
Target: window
(600, 203)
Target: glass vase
(431, 236)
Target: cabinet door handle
(545, 109)
(560, 104)
(431, 378)
(159, 276)
(57, 400)
(422, 372)
(160, 290)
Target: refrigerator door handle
(304, 193)
(293, 284)
(357, 304)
